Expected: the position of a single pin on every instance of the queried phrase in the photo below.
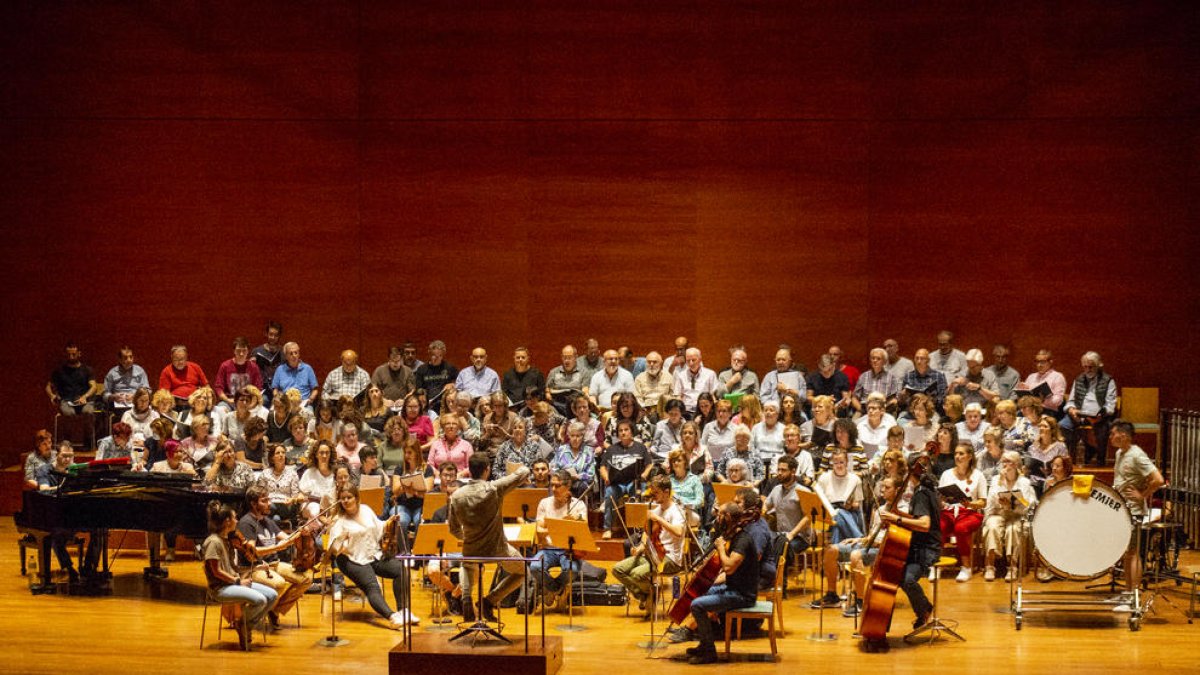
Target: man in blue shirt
(478, 380)
(295, 374)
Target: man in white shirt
(560, 505)
(609, 380)
(1093, 400)
(665, 522)
(947, 360)
(693, 379)
(652, 384)
(785, 379)
(897, 365)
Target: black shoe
(453, 605)
(489, 611)
(703, 657)
(678, 635)
(827, 600)
(921, 620)
(468, 611)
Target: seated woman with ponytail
(225, 585)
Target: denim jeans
(718, 599)
(549, 558)
(613, 493)
(256, 599)
(846, 525)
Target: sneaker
(964, 575)
(989, 574)
(1011, 574)
(852, 610)
(932, 573)
(397, 620)
(607, 534)
(410, 618)
(680, 634)
(337, 595)
(170, 556)
(1123, 608)
(1045, 575)
(828, 600)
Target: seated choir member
(1009, 498)
(225, 584)
(843, 492)
(963, 518)
(622, 465)
(354, 541)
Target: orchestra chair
(1139, 406)
(935, 626)
(89, 427)
(1194, 573)
(776, 593)
(763, 609)
(231, 612)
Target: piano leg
(154, 570)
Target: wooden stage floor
(144, 628)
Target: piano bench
(27, 540)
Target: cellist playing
(735, 587)
(926, 545)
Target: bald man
(347, 380)
(479, 379)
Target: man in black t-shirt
(621, 464)
(736, 587)
(72, 386)
(926, 545)
(435, 374)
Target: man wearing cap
(977, 385)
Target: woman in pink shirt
(450, 447)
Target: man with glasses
(478, 380)
(560, 505)
(1092, 402)
(1045, 373)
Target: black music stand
(435, 539)
(814, 504)
(578, 538)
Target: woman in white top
(354, 543)
(282, 483)
(766, 438)
(962, 519)
(718, 436)
(1009, 497)
(140, 417)
(317, 481)
(843, 491)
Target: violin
(243, 546)
(390, 542)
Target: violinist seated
(438, 570)
(225, 584)
(354, 540)
(735, 587)
(264, 546)
(661, 548)
(859, 553)
(561, 505)
(843, 491)
(1009, 498)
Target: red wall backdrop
(537, 173)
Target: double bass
(886, 577)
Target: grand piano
(97, 501)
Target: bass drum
(1081, 537)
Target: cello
(707, 572)
(886, 577)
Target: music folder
(1042, 391)
(953, 493)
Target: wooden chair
(1139, 406)
(763, 609)
(230, 612)
(775, 593)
